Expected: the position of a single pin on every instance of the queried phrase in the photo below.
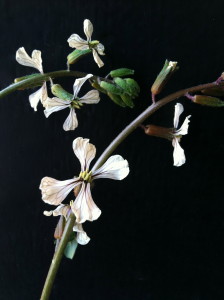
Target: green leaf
(71, 249)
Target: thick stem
(57, 258)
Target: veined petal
(88, 29)
(84, 207)
(61, 210)
(44, 96)
(24, 59)
(114, 168)
(55, 104)
(100, 49)
(92, 97)
(82, 238)
(75, 41)
(55, 191)
(35, 98)
(184, 128)
(178, 154)
(79, 83)
(97, 58)
(84, 151)
(71, 122)
(178, 111)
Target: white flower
(178, 153)
(35, 61)
(56, 104)
(63, 210)
(75, 41)
(84, 208)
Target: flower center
(93, 44)
(86, 176)
(76, 104)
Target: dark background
(160, 236)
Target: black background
(160, 235)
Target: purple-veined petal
(92, 97)
(82, 238)
(97, 58)
(61, 210)
(178, 111)
(84, 151)
(88, 29)
(71, 121)
(184, 128)
(24, 59)
(55, 104)
(114, 168)
(75, 41)
(178, 153)
(79, 83)
(84, 207)
(55, 191)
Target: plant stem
(57, 258)
(109, 150)
(42, 77)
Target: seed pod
(214, 91)
(132, 87)
(116, 99)
(127, 100)
(58, 91)
(121, 72)
(76, 55)
(111, 88)
(207, 100)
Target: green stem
(109, 150)
(57, 258)
(41, 77)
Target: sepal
(207, 100)
(58, 91)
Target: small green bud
(76, 55)
(116, 99)
(133, 88)
(168, 69)
(111, 88)
(207, 100)
(98, 87)
(127, 100)
(58, 91)
(121, 72)
(214, 91)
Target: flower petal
(55, 104)
(100, 49)
(24, 59)
(71, 121)
(97, 58)
(84, 151)
(178, 111)
(88, 29)
(75, 41)
(92, 97)
(79, 83)
(84, 207)
(184, 128)
(178, 154)
(35, 98)
(61, 210)
(55, 191)
(82, 238)
(44, 96)
(114, 168)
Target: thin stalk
(114, 144)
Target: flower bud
(111, 88)
(127, 100)
(153, 130)
(207, 100)
(76, 55)
(98, 87)
(214, 91)
(121, 72)
(116, 99)
(168, 69)
(58, 91)
(132, 88)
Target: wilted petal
(100, 49)
(55, 191)
(184, 128)
(61, 210)
(71, 122)
(35, 98)
(82, 238)
(97, 58)
(24, 59)
(75, 41)
(55, 104)
(44, 96)
(178, 154)
(92, 97)
(84, 207)
(79, 83)
(114, 168)
(178, 111)
(88, 29)
(84, 151)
